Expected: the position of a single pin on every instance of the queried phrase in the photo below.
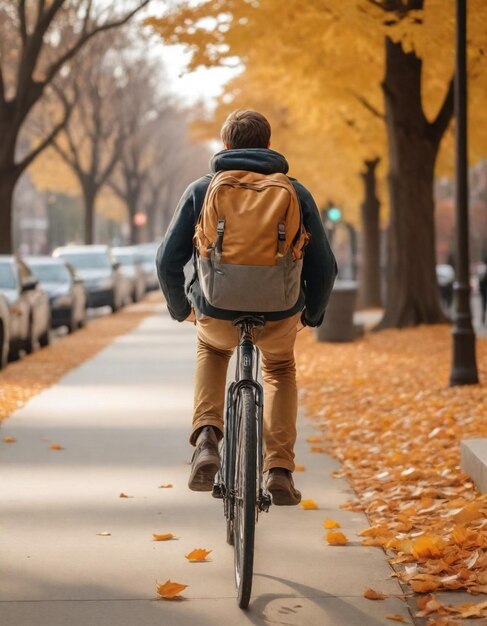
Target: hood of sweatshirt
(260, 160)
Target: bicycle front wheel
(246, 496)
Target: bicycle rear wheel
(245, 496)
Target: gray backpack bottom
(251, 288)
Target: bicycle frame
(246, 375)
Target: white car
(4, 330)
(131, 268)
(105, 284)
(147, 253)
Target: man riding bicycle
(246, 137)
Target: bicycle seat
(257, 321)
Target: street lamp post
(464, 366)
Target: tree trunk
(134, 230)
(370, 273)
(412, 291)
(8, 181)
(151, 224)
(89, 197)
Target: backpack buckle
(281, 237)
(220, 229)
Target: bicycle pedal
(217, 491)
(265, 502)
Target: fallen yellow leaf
(299, 468)
(162, 536)
(170, 590)
(469, 513)
(9, 439)
(56, 446)
(371, 594)
(104, 533)
(396, 618)
(424, 586)
(200, 554)
(165, 486)
(428, 546)
(308, 505)
(330, 523)
(375, 531)
(314, 439)
(441, 621)
(336, 538)
(124, 495)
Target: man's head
(246, 129)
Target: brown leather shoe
(205, 462)
(281, 487)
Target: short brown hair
(246, 129)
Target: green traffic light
(334, 214)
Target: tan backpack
(249, 240)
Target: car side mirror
(116, 265)
(29, 284)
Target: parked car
(30, 316)
(4, 330)
(147, 254)
(66, 291)
(105, 284)
(131, 268)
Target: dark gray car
(66, 291)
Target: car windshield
(51, 273)
(148, 257)
(125, 258)
(7, 276)
(87, 260)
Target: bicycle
(239, 481)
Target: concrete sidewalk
(123, 419)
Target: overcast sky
(204, 84)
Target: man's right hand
(191, 317)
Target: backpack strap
(220, 230)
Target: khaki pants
(217, 340)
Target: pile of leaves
(386, 412)
(29, 376)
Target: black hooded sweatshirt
(319, 265)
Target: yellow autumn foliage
(317, 75)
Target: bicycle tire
(246, 500)
(230, 530)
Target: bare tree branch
(40, 8)
(86, 21)
(368, 105)
(22, 21)
(116, 189)
(45, 17)
(64, 155)
(107, 172)
(55, 67)
(443, 119)
(26, 161)
(2, 85)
